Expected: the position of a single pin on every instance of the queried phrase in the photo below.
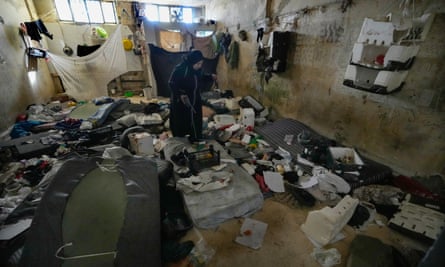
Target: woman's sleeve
(207, 77)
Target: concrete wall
(404, 130)
(16, 88)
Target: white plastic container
(247, 117)
(141, 143)
(223, 120)
(148, 92)
(232, 103)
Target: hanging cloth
(233, 55)
(87, 77)
(35, 28)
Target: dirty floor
(284, 243)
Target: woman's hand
(185, 100)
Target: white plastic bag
(202, 253)
(326, 258)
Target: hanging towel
(225, 42)
(233, 57)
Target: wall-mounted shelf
(391, 58)
(383, 53)
(375, 81)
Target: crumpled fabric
(23, 128)
(206, 181)
(87, 77)
(232, 57)
(333, 183)
(379, 194)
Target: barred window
(180, 14)
(86, 11)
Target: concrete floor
(284, 243)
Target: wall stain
(331, 31)
(316, 96)
(276, 93)
(282, 5)
(339, 134)
(364, 99)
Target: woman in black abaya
(185, 101)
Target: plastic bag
(202, 253)
(326, 258)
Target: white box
(346, 155)
(232, 103)
(141, 143)
(148, 92)
(223, 120)
(247, 117)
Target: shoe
(303, 197)
(173, 251)
(175, 225)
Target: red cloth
(380, 59)
(260, 180)
(413, 187)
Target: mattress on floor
(241, 197)
(97, 114)
(98, 212)
(274, 133)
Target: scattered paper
(288, 138)
(307, 181)
(274, 181)
(205, 181)
(252, 233)
(219, 167)
(246, 139)
(304, 161)
(228, 161)
(12, 230)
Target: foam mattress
(242, 197)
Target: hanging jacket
(35, 28)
